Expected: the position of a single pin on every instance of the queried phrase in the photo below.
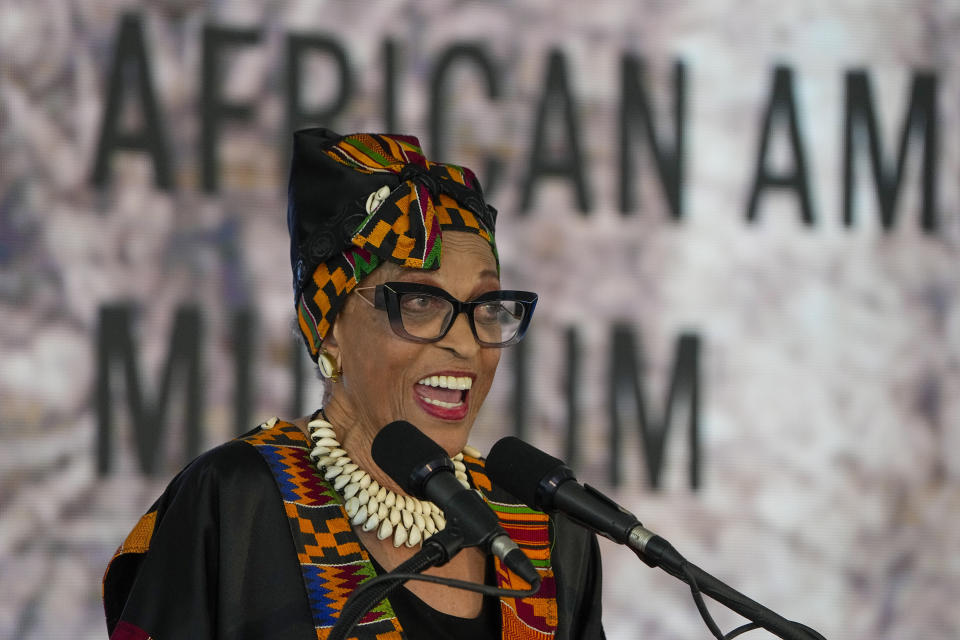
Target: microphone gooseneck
(422, 469)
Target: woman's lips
(444, 397)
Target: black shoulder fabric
(577, 566)
(219, 563)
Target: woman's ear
(329, 358)
(330, 343)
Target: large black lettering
(477, 56)
(391, 72)
(626, 378)
(298, 114)
(131, 67)
(636, 110)
(296, 364)
(572, 390)
(149, 418)
(548, 159)
(782, 103)
(920, 122)
(214, 107)
(244, 327)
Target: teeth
(441, 403)
(448, 382)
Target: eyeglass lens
(426, 316)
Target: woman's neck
(356, 438)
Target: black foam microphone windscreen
(401, 449)
(421, 467)
(520, 469)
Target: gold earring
(328, 366)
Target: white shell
(332, 472)
(371, 523)
(336, 453)
(429, 526)
(409, 506)
(383, 512)
(350, 490)
(319, 451)
(439, 521)
(457, 458)
(323, 432)
(319, 423)
(407, 518)
(361, 516)
(376, 198)
(394, 516)
(459, 466)
(391, 499)
(341, 482)
(472, 452)
(381, 494)
(341, 461)
(358, 475)
(365, 481)
(414, 538)
(385, 530)
(269, 424)
(417, 506)
(350, 467)
(327, 442)
(364, 498)
(419, 521)
(327, 365)
(399, 536)
(352, 507)
(325, 461)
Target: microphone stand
(437, 550)
(657, 552)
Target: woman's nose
(460, 338)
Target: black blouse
(222, 564)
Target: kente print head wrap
(360, 200)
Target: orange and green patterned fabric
(333, 562)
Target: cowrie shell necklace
(370, 506)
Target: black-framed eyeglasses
(422, 313)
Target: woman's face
(387, 378)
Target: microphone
(545, 483)
(422, 469)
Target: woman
(397, 291)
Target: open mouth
(444, 396)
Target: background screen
(741, 218)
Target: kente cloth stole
(333, 563)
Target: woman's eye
(489, 312)
(419, 304)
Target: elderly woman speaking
(397, 295)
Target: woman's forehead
(462, 254)
(461, 247)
